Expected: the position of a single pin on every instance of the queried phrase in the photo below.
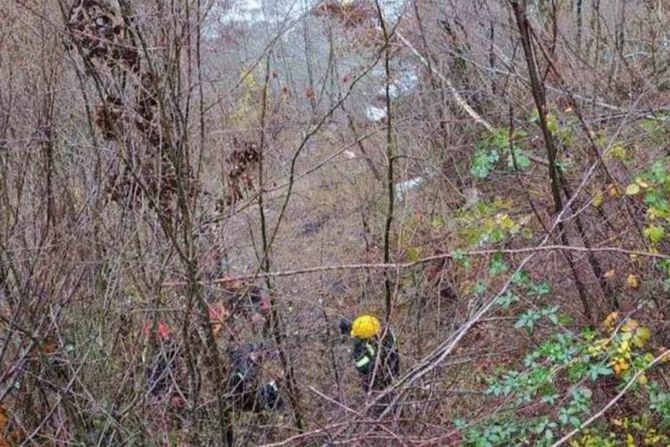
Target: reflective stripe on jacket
(365, 353)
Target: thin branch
(406, 265)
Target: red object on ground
(162, 330)
(176, 402)
(265, 306)
(215, 315)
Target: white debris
(405, 187)
(374, 113)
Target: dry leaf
(632, 281)
(614, 190)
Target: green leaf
(507, 299)
(520, 277)
(618, 152)
(540, 289)
(483, 162)
(497, 265)
(563, 165)
(657, 171)
(523, 162)
(596, 371)
(654, 233)
(479, 288)
(413, 254)
(527, 320)
(552, 123)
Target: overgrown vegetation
(194, 193)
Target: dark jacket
(158, 373)
(245, 391)
(365, 355)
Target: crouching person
(375, 352)
(245, 391)
(164, 376)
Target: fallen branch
(405, 265)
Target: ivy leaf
(527, 320)
(483, 162)
(522, 160)
(497, 265)
(520, 278)
(540, 289)
(596, 371)
(479, 288)
(507, 300)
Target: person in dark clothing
(158, 373)
(245, 391)
(375, 353)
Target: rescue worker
(163, 373)
(375, 353)
(244, 389)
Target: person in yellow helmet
(375, 351)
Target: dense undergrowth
(490, 178)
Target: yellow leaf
(618, 152)
(614, 190)
(597, 201)
(608, 323)
(654, 213)
(632, 189)
(632, 281)
(629, 326)
(619, 365)
(642, 183)
(437, 222)
(630, 440)
(413, 254)
(642, 335)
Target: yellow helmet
(365, 326)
